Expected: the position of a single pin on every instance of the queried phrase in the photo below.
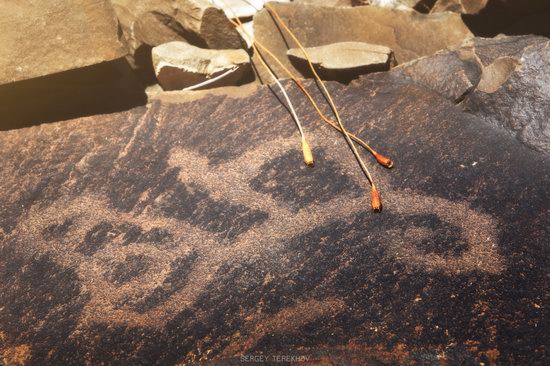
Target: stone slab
(43, 37)
(191, 231)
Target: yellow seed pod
(308, 155)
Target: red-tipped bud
(376, 201)
(387, 162)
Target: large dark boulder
(190, 231)
(51, 36)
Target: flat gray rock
(345, 56)
(179, 65)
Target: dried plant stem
(388, 163)
(376, 205)
(209, 81)
(381, 159)
(306, 150)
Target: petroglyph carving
(95, 238)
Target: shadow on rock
(98, 89)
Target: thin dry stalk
(383, 160)
(306, 150)
(376, 201)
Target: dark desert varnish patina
(193, 231)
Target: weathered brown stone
(192, 231)
(502, 80)
(340, 60)
(179, 65)
(48, 36)
(452, 74)
(514, 90)
(344, 55)
(410, 35)
(98, 89)
(159, 21)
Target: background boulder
(410, 35)
(49, 36)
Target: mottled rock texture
(409, 34)
(42, 37)
(514, 90)
(179, 65)
(154, 22)
(98, 89)
(342, 60)
(504, 80)
(452, 74)
(189, 231)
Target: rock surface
(343, 58)
(154, 22)
(514, 90)
(345, 55)
(410, 35)
(502, 80)
(422, 6)
(98, 89)
(179, 65)
(192, 231)
(452, 74)
(48, 36)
